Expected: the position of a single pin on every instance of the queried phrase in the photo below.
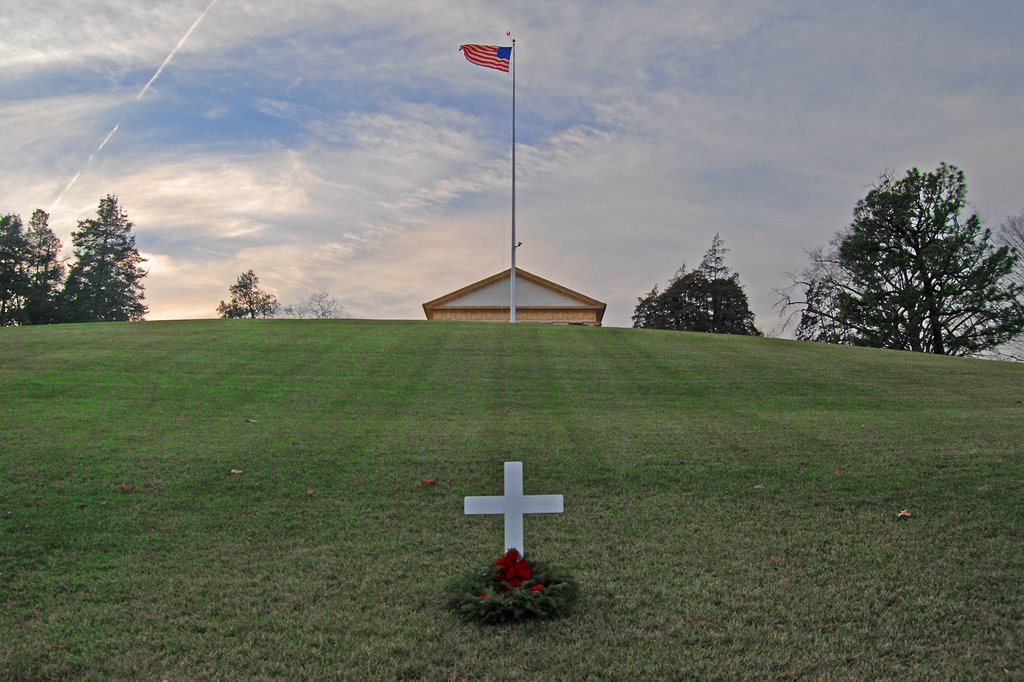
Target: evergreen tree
(648, 314)
(923, 278)
(708, 299)
(13, 280)
(44, 269)
(911, 273)
(247, 299)
(712, 265)
(105, 282)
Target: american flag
(491, 56)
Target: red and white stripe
(485, 55)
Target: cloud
(349, 145)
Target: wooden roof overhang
(585, 302)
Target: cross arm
(484, 505)
(542, 504)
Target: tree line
(248, 300)
(910, 272)
(102, 284)
(104, 281)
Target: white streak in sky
(91, 157)
(73, 180)
(175, 50)
(106, 139)
(138, 97)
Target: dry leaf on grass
(234, 472)
(310, 491)
(427, 481)
(905, 514)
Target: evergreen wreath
(512, 589)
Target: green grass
(730, 503)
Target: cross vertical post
(513, 504)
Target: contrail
(73, 181)
(106, 139)
(174, 51)
(88, 161)
(137, 98)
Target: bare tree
(324, 306)
(317, 306)
(813, 295)
(1011, 234)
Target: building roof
(532, 291)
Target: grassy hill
(730, 503)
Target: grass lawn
(730, 503)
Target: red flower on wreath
(515, 570)
(536, 588)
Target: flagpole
(512, 279)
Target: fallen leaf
(126, 487)
(905, 514)
(759, 486)
(310, 491)
(777, 561)
(427, 481)
(235, 472)
(251, 421)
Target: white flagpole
(512, 280)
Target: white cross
(513, 504)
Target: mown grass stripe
(730, 502)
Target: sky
(347, 145)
